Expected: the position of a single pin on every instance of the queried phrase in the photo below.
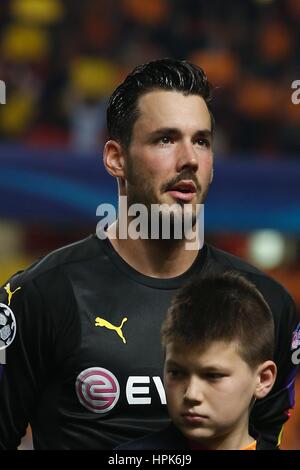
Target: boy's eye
(174, 373)
(214, 375)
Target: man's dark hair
(225, 307)
(163, 74)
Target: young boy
(218, 338)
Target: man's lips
(184, 190)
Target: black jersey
(81, 334)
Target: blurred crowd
(60, 60)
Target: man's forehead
(164, 98)
(168, 107)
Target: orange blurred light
(149, 12)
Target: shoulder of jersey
(77, 252)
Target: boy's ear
(266, 375)
(113, 158)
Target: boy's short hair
(224, 307)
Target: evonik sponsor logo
(98, 389)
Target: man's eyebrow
(165, 130)
(174, 131)
(205, 133)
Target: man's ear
(266, 375)
(113, 158)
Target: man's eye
(164, 140)
(203, 143)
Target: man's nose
(187, 157)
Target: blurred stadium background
(60, 59)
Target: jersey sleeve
(270, 413)
(25, 341)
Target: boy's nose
(194, 391)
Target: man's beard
(140, 191)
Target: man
(83, 359)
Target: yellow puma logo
(118, 329)
(9, 292)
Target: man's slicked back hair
(163, 74)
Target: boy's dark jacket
(170, 438)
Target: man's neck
(155, 258)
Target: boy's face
(208, 391)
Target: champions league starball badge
(8, 326)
